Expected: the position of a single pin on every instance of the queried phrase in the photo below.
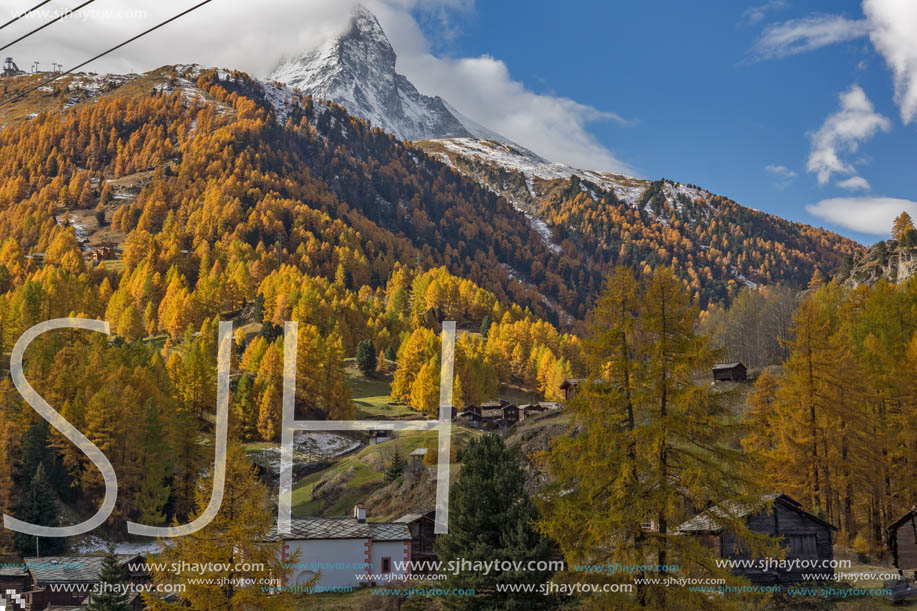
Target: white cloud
(232, 34)
(893, 24)
(872, 215)
(783, 173)
(853, 183)
(780, 170)
(842, 132)
(756, 14)
(807, 34)
(483, 90)
(890, 25)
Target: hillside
(715, 244)
(588, 220)
(300, 170)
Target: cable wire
(43, 26)
(104, 53)
(21, 15)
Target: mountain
(714, 243)
(316, 185)
(357, 71)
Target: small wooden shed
(729, 372)
(569, 387)
(902, 541)
(423, 538)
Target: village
(326, 550)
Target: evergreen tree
(485, 324)
(366, 357)
(37, 450)
(395, 469)
(110, 595)
(492, 518)
(39, 506)
(154, 490)
(258, 308)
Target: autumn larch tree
(650, 446)
(240, 533)
(903, 224)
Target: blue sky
(704, 104)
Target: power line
(41, 27)
(23, 14)
(104, 53)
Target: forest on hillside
(244, 215)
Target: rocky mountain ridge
(357, 71)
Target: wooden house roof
(72, 569)
(707, 522)
(343, 528)
(727, 366)
(912, 514)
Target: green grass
(519, 396)
(353, 478)
(371, 397)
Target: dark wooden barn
(729, 372)
(806, 538)
(569, 387)
(421, 525)
(902, 541)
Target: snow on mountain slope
(459, 152)
(357, 71)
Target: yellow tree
(650, 446)
(903, 224)
(236, 549)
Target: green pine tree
(492, 518)
(366, 357)
(110, 595)
(36, 450)
(154, 491)
(39, 506)
(395, 469)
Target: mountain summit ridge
(357, 71)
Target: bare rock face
(890, 261)
(357, 71)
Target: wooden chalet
(14, 580)
(730, 372)
(804, 535)
(490, 415)
(528, 410)
(380, 434)
(423, 538)
(417, 456)
(902, 541)
(569, 386)
(65, 581)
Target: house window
(803, 546)
(386, 565)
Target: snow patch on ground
(93, 544)
(281, 98)
(307, 447)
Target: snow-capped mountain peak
(357, 71)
